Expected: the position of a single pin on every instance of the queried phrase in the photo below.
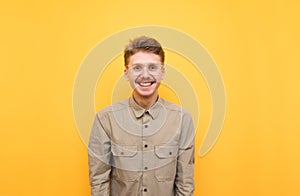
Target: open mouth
(146, 84)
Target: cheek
(132, 78)
(158, 78)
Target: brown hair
(143, 43)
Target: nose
(145, 72)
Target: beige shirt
(133, 151)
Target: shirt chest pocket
(166, 162)
(124, 150)
(124, 162)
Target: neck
(145, 102)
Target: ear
(163, 73)
(126, 74)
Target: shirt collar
(139, 111)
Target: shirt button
(170, 153)
(146, 126)
(145, 190)
(146, 168)
(145, 145)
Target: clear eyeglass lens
(152, 68)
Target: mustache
(143, 79)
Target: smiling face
(144, 72)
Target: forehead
(144, 57)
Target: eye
(137, 68)
(152, 67)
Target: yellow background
(255, 44)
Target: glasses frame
(134, 68)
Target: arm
(184, 182)
(99, 159)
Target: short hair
(143, 43)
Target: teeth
(145, 83)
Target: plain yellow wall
(255, 44)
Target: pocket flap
(166, 151)
(124, 150)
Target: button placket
(145, 126)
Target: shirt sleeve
(184, 181)
(99, 154)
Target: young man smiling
(143, 145)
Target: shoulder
(118, 106)
(172, 107)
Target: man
(143, 145)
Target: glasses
(152, 68)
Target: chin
(145, 94)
